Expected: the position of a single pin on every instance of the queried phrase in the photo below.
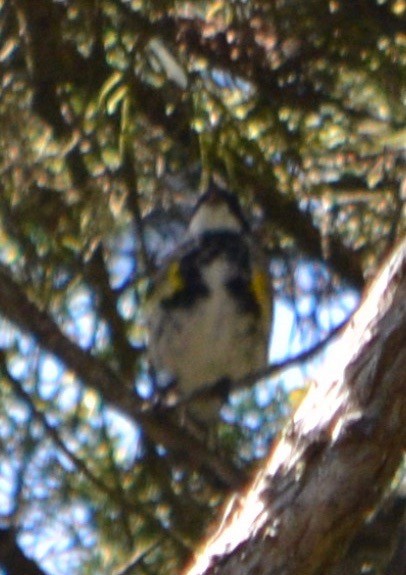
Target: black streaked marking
(201, 253)
(242, 292)
(194, 286)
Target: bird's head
(217, 210)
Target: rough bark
(380, 543)
(333, 462)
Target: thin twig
(53, 433)
(130, 179)
(133, 506)
(212, 389)
(137, 559)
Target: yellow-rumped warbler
(210, 305)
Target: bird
(209, 306)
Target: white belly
(211, 340)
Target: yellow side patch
(166, 284)
(175, 280)
(260, 287)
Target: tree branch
(299, 225)
(17, 308)
(97, 276)
(196, 37)
(378, 542)
(212, 389)
(336, 457)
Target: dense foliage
(113, 114)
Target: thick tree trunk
(330, 467)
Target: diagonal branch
(286, 213)
(97, 276)
(337, 455)
(213, 388)
(17, 308)
(116, 493)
